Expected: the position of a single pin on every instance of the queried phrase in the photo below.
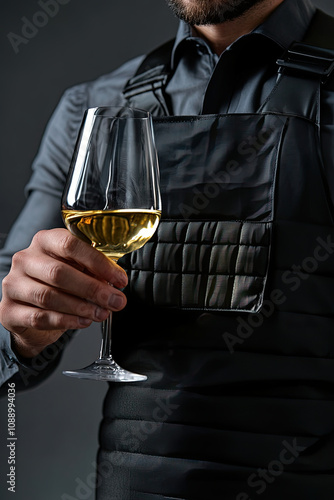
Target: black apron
(230, 312)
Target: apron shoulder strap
(159, 57)
(314, 56)
(145, 88)
(304, 68)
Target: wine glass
(112, 201)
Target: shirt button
(9, 359)
(201, 49)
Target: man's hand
(56, 284)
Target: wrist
(23, 349)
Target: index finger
(60, 243)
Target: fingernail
(115, 301)
(101, 314)
(122, 278)
(84, 321)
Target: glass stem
(105, 352)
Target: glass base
(105, 370)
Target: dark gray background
(57, 423)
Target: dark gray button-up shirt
(236, 82)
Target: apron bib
(212, 248)
(237, 348)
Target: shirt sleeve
(42, 211)
(43, 206)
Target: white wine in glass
(113, 232)
(112, 201)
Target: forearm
(28, 372)
(42, 211)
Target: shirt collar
(286, 24)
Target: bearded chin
(205, 12)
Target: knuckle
(55, 273)
(39, 237)
(58, 322)
(18, 258)
(98, 295)
(6, 284)
(9, 288)
(37, 320)
(43, 297)
(85, 309)
(63, 322)
(69, 244)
